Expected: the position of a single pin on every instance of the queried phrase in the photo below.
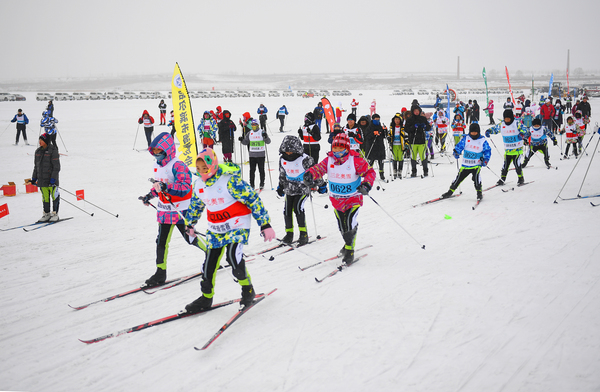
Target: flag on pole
(328, 111)
(448, 99)
(4, 210)
(183, 119)
(487, 96)
(551, 83)
(509, 88)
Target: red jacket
(547, 111)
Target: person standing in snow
(50, 108)
(490, 110)
(354, 106)
(539, 141)
(398, 144)
(508, 104)
(21, 119)
(572, 134)
(355, 134)
(338, 114)
(207, 130)
(292, 165)
(230, 203)
(415, 128)
(441, 122)
(46, 168)
(173, 187)
(227, 135)
(375, 143)
(148, 122)
(477, 153)
(172, 125)
(162, 106)
(547, 113)
(458, 128)
(281, 113)
(49, 124)
(262, 116)
(373, 107)
(257, 139)
(318, 114)
(310, 133)
(513, 133)
(475, 112)
(350, 177)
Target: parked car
(131, 95)
(19, 97)
(114, 95)
(288, 94)
(146, 95)
(274, 94)
(324, 93)
(43, 97)
(97, 96)
(7, 97)
(81, 96)
(258, 94)
(63, 97)
(159, 95)
(243, 94)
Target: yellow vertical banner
(183, 119)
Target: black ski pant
(533, 149)
(263, 121)
(348, 225)
(149, 131)
(21, 128)
(515, 159)
(260, 162)
(165, 231)
(380, 165)
(465, 172)
(574, 149)
(281, 121)
(313, 151)
(234, 256)
(294, 204)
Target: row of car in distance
(11, 97)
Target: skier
(310, 134)
(518, 110)
(257, 139)
(49, 124)
(475, 112)
(338, 114)
(227, 129)
(281, 113)
(539, 142)
(572, 134)
(292, 165)
(547, 113)
(415, 129)
(527, 117)
(398, 144)
(218, 115)
(363, 124)
(513, 134)
(46, 168)
(477, 153)
(230, 204)
(148, 122)
(458, 129)
(441, 122)
(557, 120)
(172, 125)
(173, 187)
(354, 106)
(508, 104)
(162, 106)
(350, 177)
(21, 119)
(262, 116)
(469, 113)
(207, 130)
(586, 110)
(318, 115)
(355, 134)
(373, 107)
(490, 110)
(580, 123)
(375, 136)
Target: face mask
(536, 128)
(376, 122)
(161, 156)
(340, 154)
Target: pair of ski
(291, 247)
(339, 255)
(184, 314)
(339, 268)
(38, 225)
(518, 185)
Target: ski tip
(77, 307)
(423, 247)
(271, 258)
(92, 214)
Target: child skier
(458, 129)
(49, 124)
(257, 139)
(539, 142)
(310, 134)
(398, 144)
(148, 122)
(207, 130)
(292, 165)
(46, 166)
(355, 134)
(441, 122)
(571, 130)
(477, 153)
(350, 177)
(579, 122)
(513, 134)
(230, 204)
(173, 187)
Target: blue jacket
(25, 119)
(538, 142)
(487, 150)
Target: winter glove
(146, 199)
(34, 181)
(52, 181)
(308, 179)
(364, 188)
(487, 133)
(456, 154)
(267, 232)
(483, 162)
(190, 231)
(264, 135)
(555, 142)
(159, 186)
(240, 138)
(352, 134)
(280, 191)
(322, 189)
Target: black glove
(555, 142)
(146, 199)
(352, 134)
(240, 138)
(34, 181)
(264, 135)
(364, 188)
(308, 179)
(280, 191)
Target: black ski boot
(348, 256)
(303, 240)
(202, 303)
(248, 295)
(342, 252)
(500, 182)
(521, 181)
(289, 237)
(446, 194)
(479, 195)
(159, 278)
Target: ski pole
(153, 206)
(116, 216)
(492, 171)
(395, 221)
(312, 207)
(61, 139)
(490, 138)
(8, 125)
(576, 163)
(269, 166)
(588, 168)
(79, 208)
(136, 133)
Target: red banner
(80, 195)
(328, 110)
(509, 88)
(3, 210)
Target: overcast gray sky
(79, 38)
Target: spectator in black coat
(226, 129)
(375, 135)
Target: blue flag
(551, 82)
(448, 98)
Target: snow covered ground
(503, 298)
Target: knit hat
(403, 110)
(341, 140)
(209, 156)
(536, 121)
(508, 113)
(352, 117)
(474, 127)
(45, 137)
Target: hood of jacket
(165, 142)
(291, 144)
